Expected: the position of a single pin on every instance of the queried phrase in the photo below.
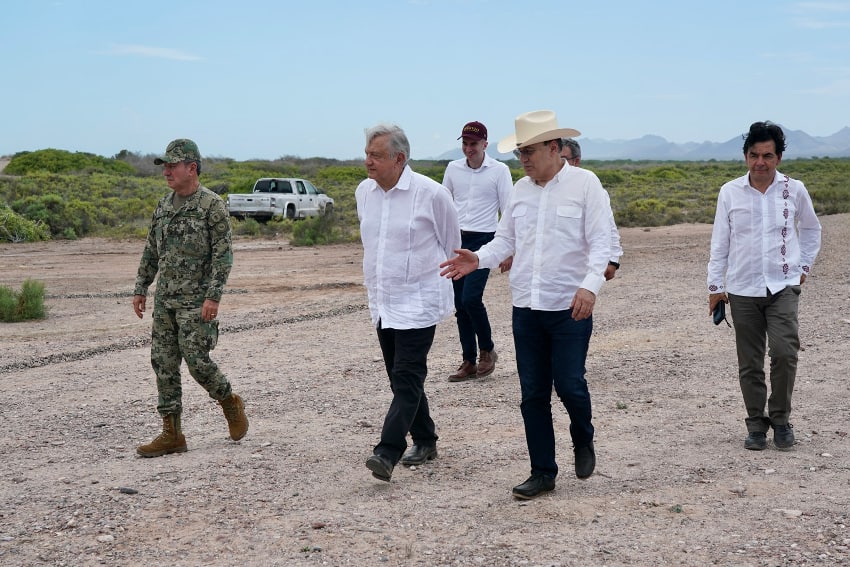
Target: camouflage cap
(179, 150)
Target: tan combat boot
(171, 439)
(234, 412)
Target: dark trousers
(406, 356)
(551, 349)
(770, 321)
(470, 312)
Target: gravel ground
(674, 485)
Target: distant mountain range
(799, 145)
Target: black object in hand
(720, 313)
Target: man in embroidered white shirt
(481, 188)
(408, 225)
(765, 240)
(557, 228)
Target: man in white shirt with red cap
(408, 226)
(481, 188)
(557, 228)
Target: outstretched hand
(464, 263)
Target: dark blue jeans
(406, 359)
(551, 349)
(470, 312)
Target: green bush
(26, 305)
(65, 194)
(16, 228)
(61, 161)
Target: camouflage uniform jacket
(190, 248)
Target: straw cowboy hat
(533, 127)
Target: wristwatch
(615, 264)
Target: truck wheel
(290, 212)
(329, 208)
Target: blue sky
(263, 79)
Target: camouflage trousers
(177, 335)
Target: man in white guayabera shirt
(557, 226)
(765, 239)
(408, 225)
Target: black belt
(472, 233)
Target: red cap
(474, 130)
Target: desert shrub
(61, 161)
(316, 230)
(16, 228)
(26, 305)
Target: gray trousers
(775, 318)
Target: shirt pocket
(569, 221)
(519, 215)
(569, 211)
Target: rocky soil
(674, 485)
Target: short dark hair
(575, 148)
(765, 132)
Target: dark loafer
(585, 460)
(381, 467)
(418, 454)
(783, 436)
(536, 485)
(756, 441)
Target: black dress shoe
(418, 454)
(783, 436)
(756, 441)
(585, 460)
(536, 485)
(381, 467)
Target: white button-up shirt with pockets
(407, 232)
(762, 241)
(560, 236)
(479, 194)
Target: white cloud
(147, 51)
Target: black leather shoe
(756, 441)
(536, 485)
(418, 454)
(783, 436)
(585, 460)
(381, 467)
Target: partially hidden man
(189, 245)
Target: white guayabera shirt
(407, 232)
(762, 241)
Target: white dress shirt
(407, 232)
(762, 241)
(479, 194)
(560, 236)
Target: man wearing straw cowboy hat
(557, 228)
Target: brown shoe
(171, 440)
(466, 371)
(487, 363)
(234, 413)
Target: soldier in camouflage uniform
(189, 245)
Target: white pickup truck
(286, 197)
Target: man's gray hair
(575, 148)
(398, 139)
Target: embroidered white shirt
(479, 194)
(762, 241)
(406, 233)
(560, 236)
